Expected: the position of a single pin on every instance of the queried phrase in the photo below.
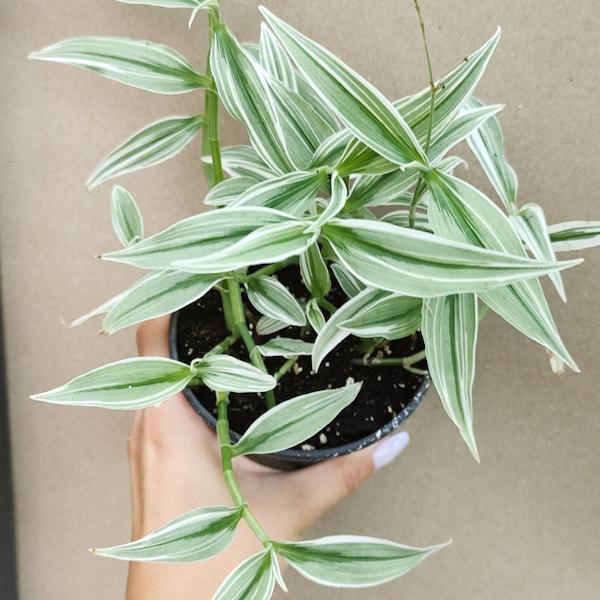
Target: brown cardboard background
(525, 522)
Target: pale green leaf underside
(148, 147)
(126, 218)
(273, 299)
(196, 535)
(449, 330)
(128, 384)
(295, 420)
(352, 561)
(314, 272)
(224, 373)
(141, 64)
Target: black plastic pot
(296, 458)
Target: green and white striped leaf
(128, 384)
(462, 213)
(271, 298)
(416, 263)
(294, 421)
(574, 235)
(293, 193)
(267, 245)
(286, 347)
(104, 308)
(314, 314)
(243, 89)
(126, 218)
(223, 373)
(357, 103)
(254, 579)
(268, 326)
(531, 225)
(487, 143)
(314, 272)
(350, 285)
(352, 561)
(196, 535)
(159, 293)
(172, 3)
(244, 161)
(228, 191)
(391, 317)
(331, 334)
(449, 329)
(274, 60)
(382, 190)
(151, 146)
(202, 235)
(337, 202)
(140, 64)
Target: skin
(175, 467)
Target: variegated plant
(325, 149)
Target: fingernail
(387, 450)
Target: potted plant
(342, 223)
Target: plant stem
(405, 361)
(228, 474)
(285, 367)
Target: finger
(338, 478)
(153, 337)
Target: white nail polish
(389, 448)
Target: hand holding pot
(175, 467)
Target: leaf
(100, 310)
(314, 272)
(244, 91)
(194, 536)
(201, 235)
(381, 190)
(274, 60)
(286, 347)
(449, 329)
(254, 579)
(574, 235)
(150, 146)
(126, 218)
(314, 314)
(128, 384)
(531, 225)
(243, 161)
(417, 263)
(487, 143)
(267, 326)
(266, 245)
(271, 298)
(159, 293)
(462, 213)
(336, 203)
(293, 193)
(145, 65)
(348, 282)
(358, 104)
(391, 317)
(294, 421)
(223, 373)
(331, 334)
(228, 191)
(171, 3)
(352, 561)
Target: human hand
(175, 466)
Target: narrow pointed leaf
(140, 64)
(267, 245)
(244, 161)
(172, 3)
(462, 213)
(350, 285)
(449, 330)
(574, 235)
(352, 561)
(487, 143)
(224, 373)
(314, 272)
(202, 235)
(274, 60)
(126, 218)
(294, 421)
(151, 146)
(194, 536)
(416, 263)
(336, 203)
(228, 191)
(104, 308)
(268, 326)
(244, 91)
(391, 317)
(128, 384)
(286, 347)
(532, 227)
(273, 299)
(359, 105)
(381, 190)
(314, 314)
(159, 293)
(254, 579)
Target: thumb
(337, 478)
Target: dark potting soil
(385, 392)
